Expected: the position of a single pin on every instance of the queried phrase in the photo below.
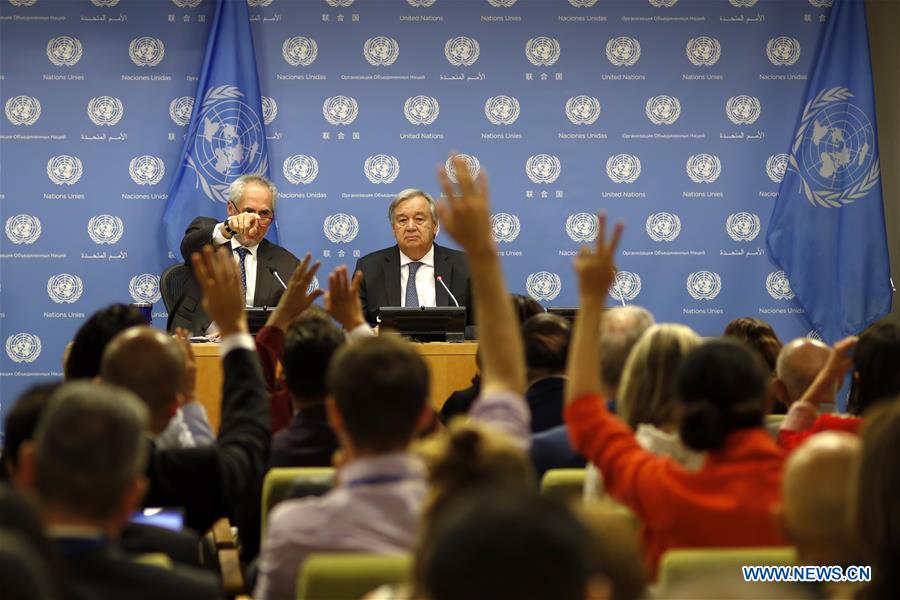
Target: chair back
(171, 286)
(685, 565)
(293, 482)
(564, 484)
(350, 576)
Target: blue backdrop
(674, 116)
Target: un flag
(827, 228)
(226, 136)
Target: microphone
(275, 273)
(444, 285)
(619, 289)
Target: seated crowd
(688, 443)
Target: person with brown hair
(759, 335)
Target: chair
(171, 286)
(280, 481)
(563, 484)
(685, 565)
(350, 576)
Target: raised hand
(465, 211)
(596, 268)
(223, 295)
(244, 224)
(295, 298)
(342, 301)
(189, 379)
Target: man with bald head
(798, 364)
(816, 499)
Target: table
(451, 367)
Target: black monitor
(257, 317)
(425, 323)
(566, 312)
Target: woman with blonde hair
(647, 397)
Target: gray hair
(90, 445)
(406, 195)
(622, 326)
(236, 189)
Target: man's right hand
(243, 224)
(223, 295)
(295, 298)
(342, 301)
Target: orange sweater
(727, 502)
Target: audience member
(86, 467)
(815, 506)
(189, 426)
(621, 327)
(21, 421)
(509, 544)
(378, 390)
(877, 500)
(647, 398)
(546, 338)
(762, 338)
(721, 387)
(206, 481)
(798, 363)
(876, 365)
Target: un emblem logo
(462, 51)
(382, 168)
(105, 229)
(64, 169)
(421, 110)
(313, 285)
(543, 168)
(64, 51)
(812, 334)
(187, 3)
(23, 347)
(501, 3)
(23, 229)
(104, 3)
(146, 51)
(22, 2)
(300, 168)
(505, 227)
(743, 3)
(703, 51)
(340, 110)
(704, 285)
(341, 228)
(704, 168)
(626, 286)
(623, 51)
(299, 51)
(542, 51)
(180, 110)
(743, 109)
(543, 285)
(105, 110)
(420, 3)
(778, 286)
(776, 167)
(270, 109)
(258, 3)
(146, 169)
(663, 110)
(65, 288)
(582, 227)
(472, 163)
(23, 110)
(501, 110)
(663, 227)
(742, 226)
(582, 3)
(783, 50)
(663, 3)
(145, 288)
(381, 51)
(834, 150)
(229, 141)
(623, 168)
(340, 3)
(816, 3)
(582, 110)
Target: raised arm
(465, 215)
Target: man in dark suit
(406, 274)
(86, 466)
(251, 209)
(206, 481)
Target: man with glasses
(406, 274)
(251, 209)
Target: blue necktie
(412, 295)
(242, 254)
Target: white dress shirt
(249, 261)
(425, 282)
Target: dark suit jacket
(208, 481)
(307, 442)
(98, 570)
(545, 399)
(381, 280)
(551, 449)
(189, 312)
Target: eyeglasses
(265, 216)
(418, 221)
